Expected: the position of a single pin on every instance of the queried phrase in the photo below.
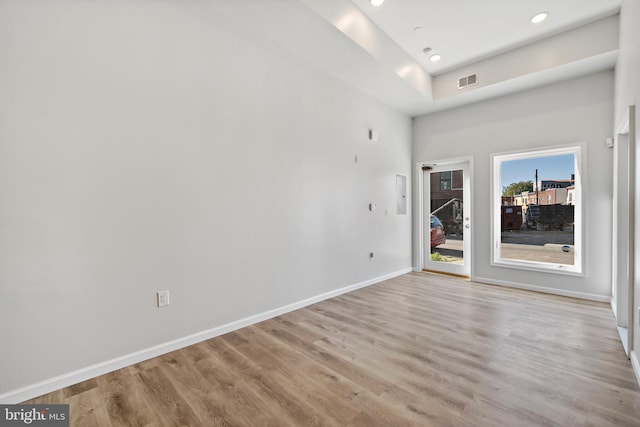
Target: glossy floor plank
(417, 350)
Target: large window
(544, 232)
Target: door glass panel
(446, 223)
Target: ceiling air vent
(467, 81)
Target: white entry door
(446, 218)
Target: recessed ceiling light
(377, 2)
(435, 57)
(539, 17)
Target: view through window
(537, 223)
(446, 223)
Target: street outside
(530, 245)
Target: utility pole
(537, 202)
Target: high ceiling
(380, 49)
(464, 31)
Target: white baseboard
(636, 365)
(554, 291)
(65, 380)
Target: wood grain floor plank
(160, 393)
(301, 378)
(195, 389)
(418, 350)
(256, 387)
(88, 409)
(122, 394)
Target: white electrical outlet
(163, 298)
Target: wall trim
(553, 291)
(635, 363)
(89, 372)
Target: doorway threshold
(447, 274)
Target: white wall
(627, 92)
(148, 145)
(570, 112)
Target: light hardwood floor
(419, 350)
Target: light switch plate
(163, 298)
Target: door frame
(420, 237)
(623, 228)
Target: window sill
(542, 267)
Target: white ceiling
(377, 51)
(465, 31)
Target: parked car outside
(437, 232)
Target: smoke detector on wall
(469, 80)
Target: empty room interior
(312, 212)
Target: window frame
(578, 268)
